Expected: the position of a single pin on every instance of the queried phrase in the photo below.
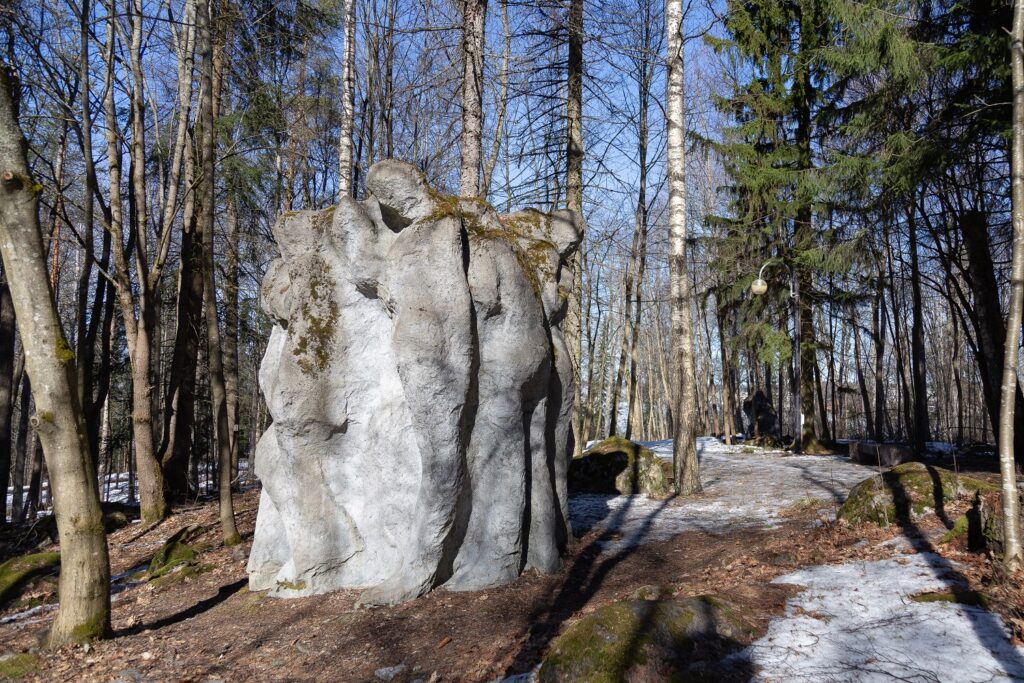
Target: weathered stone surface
(618, 465)
(421, 391)
(650, 640)
(906, 492)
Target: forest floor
(832, 600)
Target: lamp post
(758, 288)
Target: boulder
(650, 640)
(907, 492)
(421, 392)
(17, 572)
(618, 465)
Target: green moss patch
(907, 492)
(17, 572)
(618, 465)
(15, 666)
(649, 640)
(960, 597)
(175, 552)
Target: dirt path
(760, 518)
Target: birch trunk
(348, 102)
(684, 451)
(1011, 504)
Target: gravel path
(741, 489)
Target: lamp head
(758, 287)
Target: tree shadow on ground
(223, 593)
(582, 581)
(988, 627)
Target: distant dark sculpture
(762, 420)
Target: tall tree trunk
(474, 13)
(230, 339)
(179, 406)
(917, 353)
(206, 201)
(574, 200)
(139, 327)
(987, 319)
(869, 418)
(1012, 556)
(8, 333)
(878, 337)
(348, 102)
(684, 449)
(84, 589)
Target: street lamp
(758, 288)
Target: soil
(208, 626)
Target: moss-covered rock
(906, 492)
(649, 640)
(17, 572)
(175, 552)
(618, 465)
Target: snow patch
(857, 622)
(743, 488)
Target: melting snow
(743, 487)
(857, 622)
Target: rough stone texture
(618, 465)
(906, 492)
(651, 640)
(420, 390)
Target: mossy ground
(960, 597)
(907, 492)
(673, 639)
(17, 572)
(618, 465)
(15, 666)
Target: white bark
(1011, 506)
(348, 104)
(684, 452)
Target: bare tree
(1012, 556)
(474, 12)
(84, 590)
(348, 101)
(209, 90)
(574, 199)
(684, 449)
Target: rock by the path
(421, 392)
(906, 492)
(389, 673)
(617, 465)
(174, 552)
(17, 572)
(648, 640)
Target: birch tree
(1011, 506)
(684, 449)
